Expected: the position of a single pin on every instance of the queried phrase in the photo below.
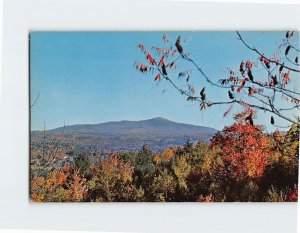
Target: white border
(22, 16)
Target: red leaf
(140, 67)
(161, 60)
(172, 65)
(249, 64)
(192, 89)
(285, 78)
(165, 38)
(251, 91)
(241, 86)
(227, 111)
(157, 77)
(150, 59)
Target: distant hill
(157, 133)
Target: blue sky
(89, 77)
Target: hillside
(157, 134)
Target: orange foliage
(56, 178)
(77, 188)
(64, 185)
(76, 184)
(246, 150)
(36, 185)
(165, 156)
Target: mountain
(157, 133)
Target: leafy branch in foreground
(264, 84)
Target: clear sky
(89, 77)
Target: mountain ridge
(158, 133)
(155, 119)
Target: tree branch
(35, 100)
(262, 55)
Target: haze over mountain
(157, 133)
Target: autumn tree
(242, 157)
(172, 166)
(281, 177)
(112, 181)
(246, 152)
(163, 186)
(245, 148)
(144, 170)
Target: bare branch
(35, 100)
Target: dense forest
(241, 163)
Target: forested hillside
(157, 133)
(241, 163)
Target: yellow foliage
(163, 185)
(182, 169)
(36, 190)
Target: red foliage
(228, 111)
(246, 150)
(248, 109)
(157, 77)
(293, 197)
(243, 81)
(141, 67)
(285, 78)
(150, 59)
(251, 91)
(192, 89)
(164, 51)
(165, 38)
(162, 61)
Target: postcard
(205, 116)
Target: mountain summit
(158, 133)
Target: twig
(262, 55)
(34, 102)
